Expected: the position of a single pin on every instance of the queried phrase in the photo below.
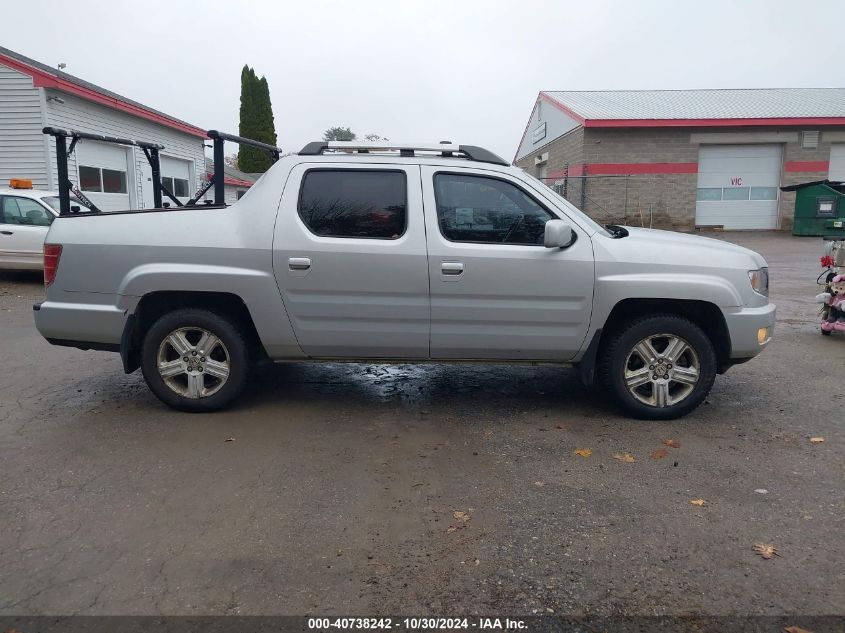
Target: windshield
(569, 206)
(53, 201)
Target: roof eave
(628, 123)
(42, 79)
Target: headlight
(760, 280)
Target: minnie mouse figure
(833, 312)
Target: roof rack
(445, 148)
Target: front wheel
(195, 360)
(659, 367)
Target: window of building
(708, 193)
(735, 193)
(354, 203)
(177, 186)
(89, 179)
(102, 180)
(487, 210)
(764, 193)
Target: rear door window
(354, 203)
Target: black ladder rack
(151, 152)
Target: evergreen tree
(256, 122)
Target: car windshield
(53, 201)
(569, 206)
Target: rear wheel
(195, 360)
(659, 367)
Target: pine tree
(256, 122)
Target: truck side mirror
(558, 234)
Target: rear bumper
(83, 325)
(744, 325)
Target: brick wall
(568, 149)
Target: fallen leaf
(539, 484)
(559, 427)
(659, 453)
(229, 439)
(698, 502)
(460, 515)
(583, 452)
(672, 443)
(816, 440)
(766, 550)
(795, 629)
(624, 457)
(340, 552)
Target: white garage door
(176, 176)
(738, 186)
(103, 175)
(837, 162)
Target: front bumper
(85, 325)
(743, 326)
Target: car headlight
(760, 280)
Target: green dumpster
(819, 208)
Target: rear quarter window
(354, 203)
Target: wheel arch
(154, 305)
(704, 314)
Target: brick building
(686, 159)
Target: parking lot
(430, 489)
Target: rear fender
(256, 288)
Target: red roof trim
(713, 122)
(42, 79)
(235, 182)
(806, 165)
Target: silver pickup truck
(402, 253)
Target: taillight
(52, 253)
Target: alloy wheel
(193, 362)
(662, 370)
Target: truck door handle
(299, 263)
(452, 268)
(7, 232)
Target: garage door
(103, 174)
(738, 186)
(176, 176)
(837, 162)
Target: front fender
(611, 289)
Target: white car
(25, 218)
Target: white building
(114, 177)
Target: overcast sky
(465, 71)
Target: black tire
(826, 332)
(620, 345)
(234, 349)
